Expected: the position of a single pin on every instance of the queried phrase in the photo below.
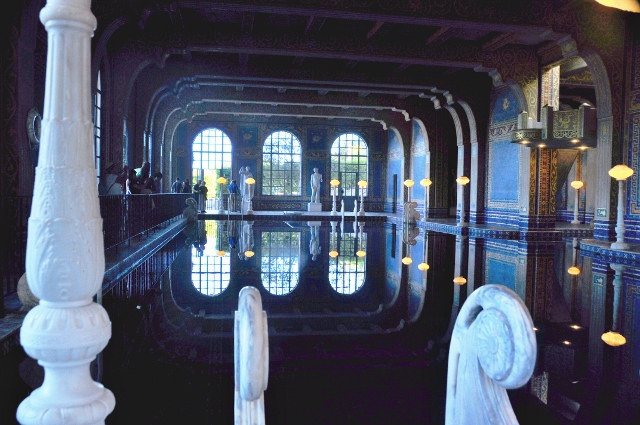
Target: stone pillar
(65, 250)
(538, 203)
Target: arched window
(347, 270)
(211, 260)
(281, 164)
(280, 260)
(211, 158)
(349, 162)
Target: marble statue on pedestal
(316, 179)
(251, 358)
(493, 348)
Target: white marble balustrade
(493, 348)
(251, 358)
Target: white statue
(246, 189)
(493, 347)
(251, 358)
(316, 179)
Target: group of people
(140, 181)
(130, 181)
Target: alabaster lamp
(221, 180)
(250, 181)
(426, 183)
(409, 184)
(459, 280)
(621, 173)
(576, 184)
(362, 184)
(613, 337)
(463, 181)
(334, 191)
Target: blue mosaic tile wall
(503, 160)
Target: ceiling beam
(441, 35)
(499, 41)
(375, 29)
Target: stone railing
(493, 348)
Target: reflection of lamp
(250, 181)
(360, 252)
(573, 271)
(576, 184)
(249, 254)
(423, 266)
(221, 180)
(221, 253)
(626, 5)
(362, 184)
(427, 185)
(613, 337)
(407, 260)
(459, 280)
(409, 183)
(334, 191)
(463, 181)
(620, 173)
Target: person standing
(233, 195)
(186, 187)
(176, 187)
(203, 190)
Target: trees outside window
(211, 158)
(281, 159)
(349, 162)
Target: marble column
(65, 249)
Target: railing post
(65, 253)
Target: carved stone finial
(251, 358)
(493, 348)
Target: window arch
(211, 157)
(349, 162)
(210, 259)
(281, 158)
(280, 261)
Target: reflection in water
(210, 271)
(280, 261)
(347, 270)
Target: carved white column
(65, 250)
(251, 358)
(493, 347)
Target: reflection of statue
(246, 240)
(314, 243)
(316, 179)
(191, 212)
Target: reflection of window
(281, 164)
(279, 262)
(211, 157)
(211, 273)
(347, 270)
(349, 159)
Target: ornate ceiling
(331, 54)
